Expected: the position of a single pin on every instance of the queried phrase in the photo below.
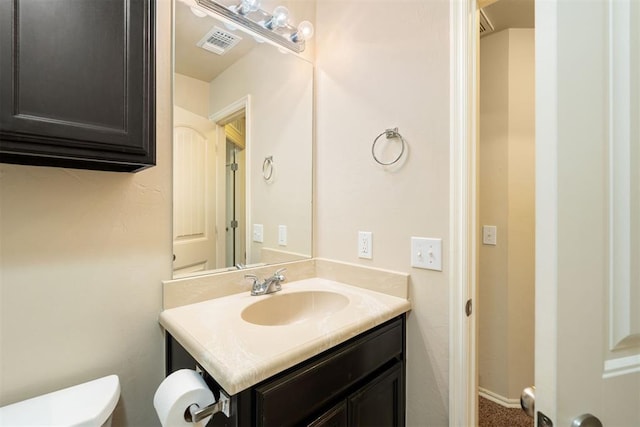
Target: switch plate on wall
(489, 235)
(365, 244)
(282, 235)
(426, 253)
(258, 233)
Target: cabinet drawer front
(289, 399)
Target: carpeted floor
(493, 415)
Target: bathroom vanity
(357, 383)
(317, 353)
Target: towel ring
(390, 133)
(267, 168)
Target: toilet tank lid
(87, 404)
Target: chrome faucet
(269, 285)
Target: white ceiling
(193, 61)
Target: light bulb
(279, 18)
(304, 32)
(199, 13)
(230, 27)
(248, 6)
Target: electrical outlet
(490, 235)
(365, 244)
(258, 233)
(282, 235)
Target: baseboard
(500, 400)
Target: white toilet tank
(85, 405)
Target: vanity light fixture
(304, 32)
(199, 13)
(246, 6)
(279, 19)
(274, 26)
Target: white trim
(546, 271)
(500, 400)
(239, 105)
(462, 212)
(621, 366)
(243, 103)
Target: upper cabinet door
(77, 83)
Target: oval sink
(297, 307)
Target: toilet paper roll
(176, 393)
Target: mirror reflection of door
(194, 193)
(235, 190)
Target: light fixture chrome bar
(215, 7)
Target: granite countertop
(239, 354)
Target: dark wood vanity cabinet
(77, 83)
(379, 403)
(357, 383)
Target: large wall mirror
(242, 148)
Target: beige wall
(83, 252)
(191, 94)
(280, 125)
(382, 64)
(507, 191)
(82, 257)
(493, 187)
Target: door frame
(220, 118)
(463, 129)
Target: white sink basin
(292, 308)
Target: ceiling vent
(486, 26)
(219, 41)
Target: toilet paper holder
(195, 414)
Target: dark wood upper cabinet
(77, 83)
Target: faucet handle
(278, 274)
(253, 277)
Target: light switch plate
(365, 244)
(489, 235)
(426, 253)
(282, 235)
(258, 233)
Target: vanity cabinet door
(335, 417)
(77, 83)
(381, 402)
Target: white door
(588, 211)
(194, 237)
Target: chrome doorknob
(528, 401)
(586, 420)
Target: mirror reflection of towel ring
(390, 133)
(267, 168)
